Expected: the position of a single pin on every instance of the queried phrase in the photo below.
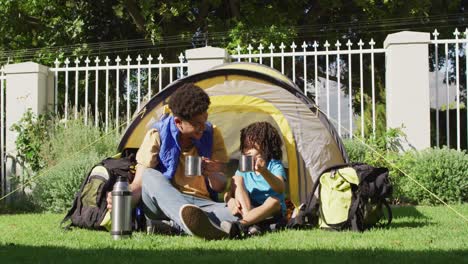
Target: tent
(243, 93)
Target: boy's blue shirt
(259, 189)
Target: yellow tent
(243, 93)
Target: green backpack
(89, 207)
(349, 197)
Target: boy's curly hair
(267, 138)
(188, 101)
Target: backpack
(350, 197)
(90, 204)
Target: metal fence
(126, 85)
(334, 97)
(2, 132)
(450, 87)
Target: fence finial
(149, 59)
(271, 47)
(360, 43)
(260, 47)
(87, 61)
(118, 60)
(282, 46)
(56, 62)
(435, 34)
(456, 33)
(372, 42)
(304, 45)
(338, 44)
(349, 43)
(160, 58)
(315, 45)
(293, 46)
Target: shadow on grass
(407, 211)
(26, 254)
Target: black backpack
(368, 193)
(90, 203)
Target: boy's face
(252, 150)
(194, 127)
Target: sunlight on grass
(429, 234)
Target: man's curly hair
(267, 138)
(188, 101)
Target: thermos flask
(121, 215)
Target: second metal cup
(193, 166)
(246, 163)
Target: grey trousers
(161, 201)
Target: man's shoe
(162, 227)
(199, 224)
(234, 229)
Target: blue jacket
(169, 153)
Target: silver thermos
(121, 209)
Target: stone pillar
(28, 86)
(202, 59)
(407, 87)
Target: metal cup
(193, 166)
(246, 163)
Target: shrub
(32, 132)
(356, 150)
(56, 186)
(72, 137)
(71, 151)
(442, 171)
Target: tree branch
(135, 13)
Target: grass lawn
(418, 234)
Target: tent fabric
(243, 93)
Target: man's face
(194, 127)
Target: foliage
(57, 185)
(43, 24)
(31, 131)
(417, 235)
(72, 150)
(443, 171)
(73, 136)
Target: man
(167, 194)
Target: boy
(257, 195)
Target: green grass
(418, 234)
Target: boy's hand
(259, 164)
(235, 206)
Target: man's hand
(213, 170)
(109, 201)
(211, 166)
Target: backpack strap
(308, 212)
(389, 210)
(75, 204)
